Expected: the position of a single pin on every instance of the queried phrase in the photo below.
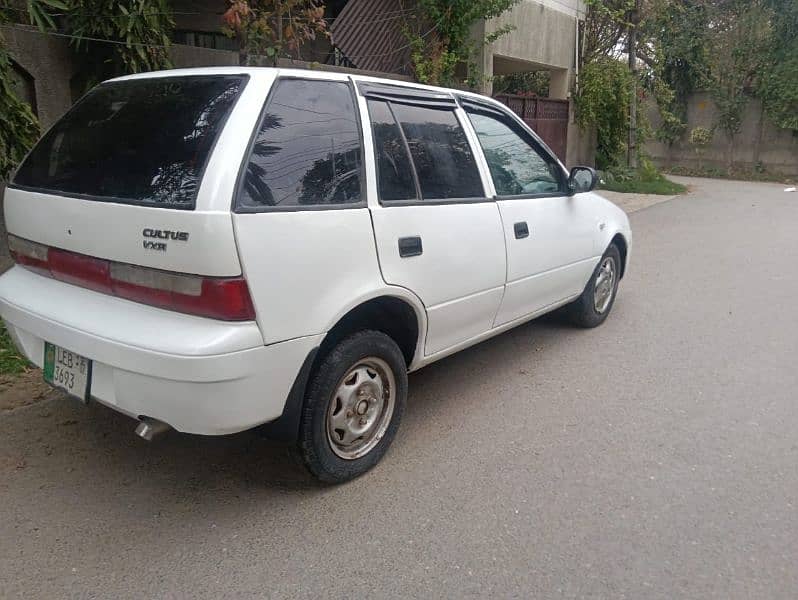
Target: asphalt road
(654, 457)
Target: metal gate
(546, 116)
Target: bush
(701, 138)
(603, 101)
(646, 179)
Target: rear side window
(140, 141)
(307, 151)
(444, 163)
(394, 172)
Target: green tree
(19, 127)
(779, 85)
(737, 42)
(272, 27)
(700, 138)
(440, 38)
(676, 58)
(135, 37)
(676, 46)
(605, 94)
(606, 25)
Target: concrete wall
(570, 7)
(582, 144)
(759, 141)
(48, 62)
(544, 38)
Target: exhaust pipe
(148, 428)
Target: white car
(214, 249)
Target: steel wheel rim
(604, 285)
(361, 408)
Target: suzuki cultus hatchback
(211, 250)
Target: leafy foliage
(39, 13)
(675, 31)
(736, 49)
(19, 127)
(605, 27)
(532, 82)
(603, 72)
(142, 29)
(605, 95)
(271, 27)
(445, 40)
(701, 137)
(675, 57)
(780, 92)
(779, 85)
(736, 42)
(11, 361)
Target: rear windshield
(141, 141)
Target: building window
(205, 39)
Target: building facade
(366, 35)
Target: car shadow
(93, 447)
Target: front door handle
(521, 230)
(410, 246)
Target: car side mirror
(582, 179)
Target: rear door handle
(521, 230)
(410, 246)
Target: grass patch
(637, 183)
(736, 174)
(11, 361)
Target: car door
(302, 225)
(437, 233)
(550, 235)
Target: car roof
(232, 70)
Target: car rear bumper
(197, 375)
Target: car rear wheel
(594, 305)
(353, 406)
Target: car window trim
(407, 95)
(238, 209)
(438, 201)
(406, 145)
(192, 205)
(419, 199)
(546, 153)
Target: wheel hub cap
(361, 408)
(604, 286)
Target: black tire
(582, 312)
(315, 444)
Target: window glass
(307, 151)
(136, 141)
(444, 163)
(516, 167)
(394, 172)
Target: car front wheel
(353, 406)
(595, 303)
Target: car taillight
(214, 297)
(29, 254)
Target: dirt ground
(22, 390)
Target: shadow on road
(60, 443)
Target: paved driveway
(654, 457)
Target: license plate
(67, 371)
